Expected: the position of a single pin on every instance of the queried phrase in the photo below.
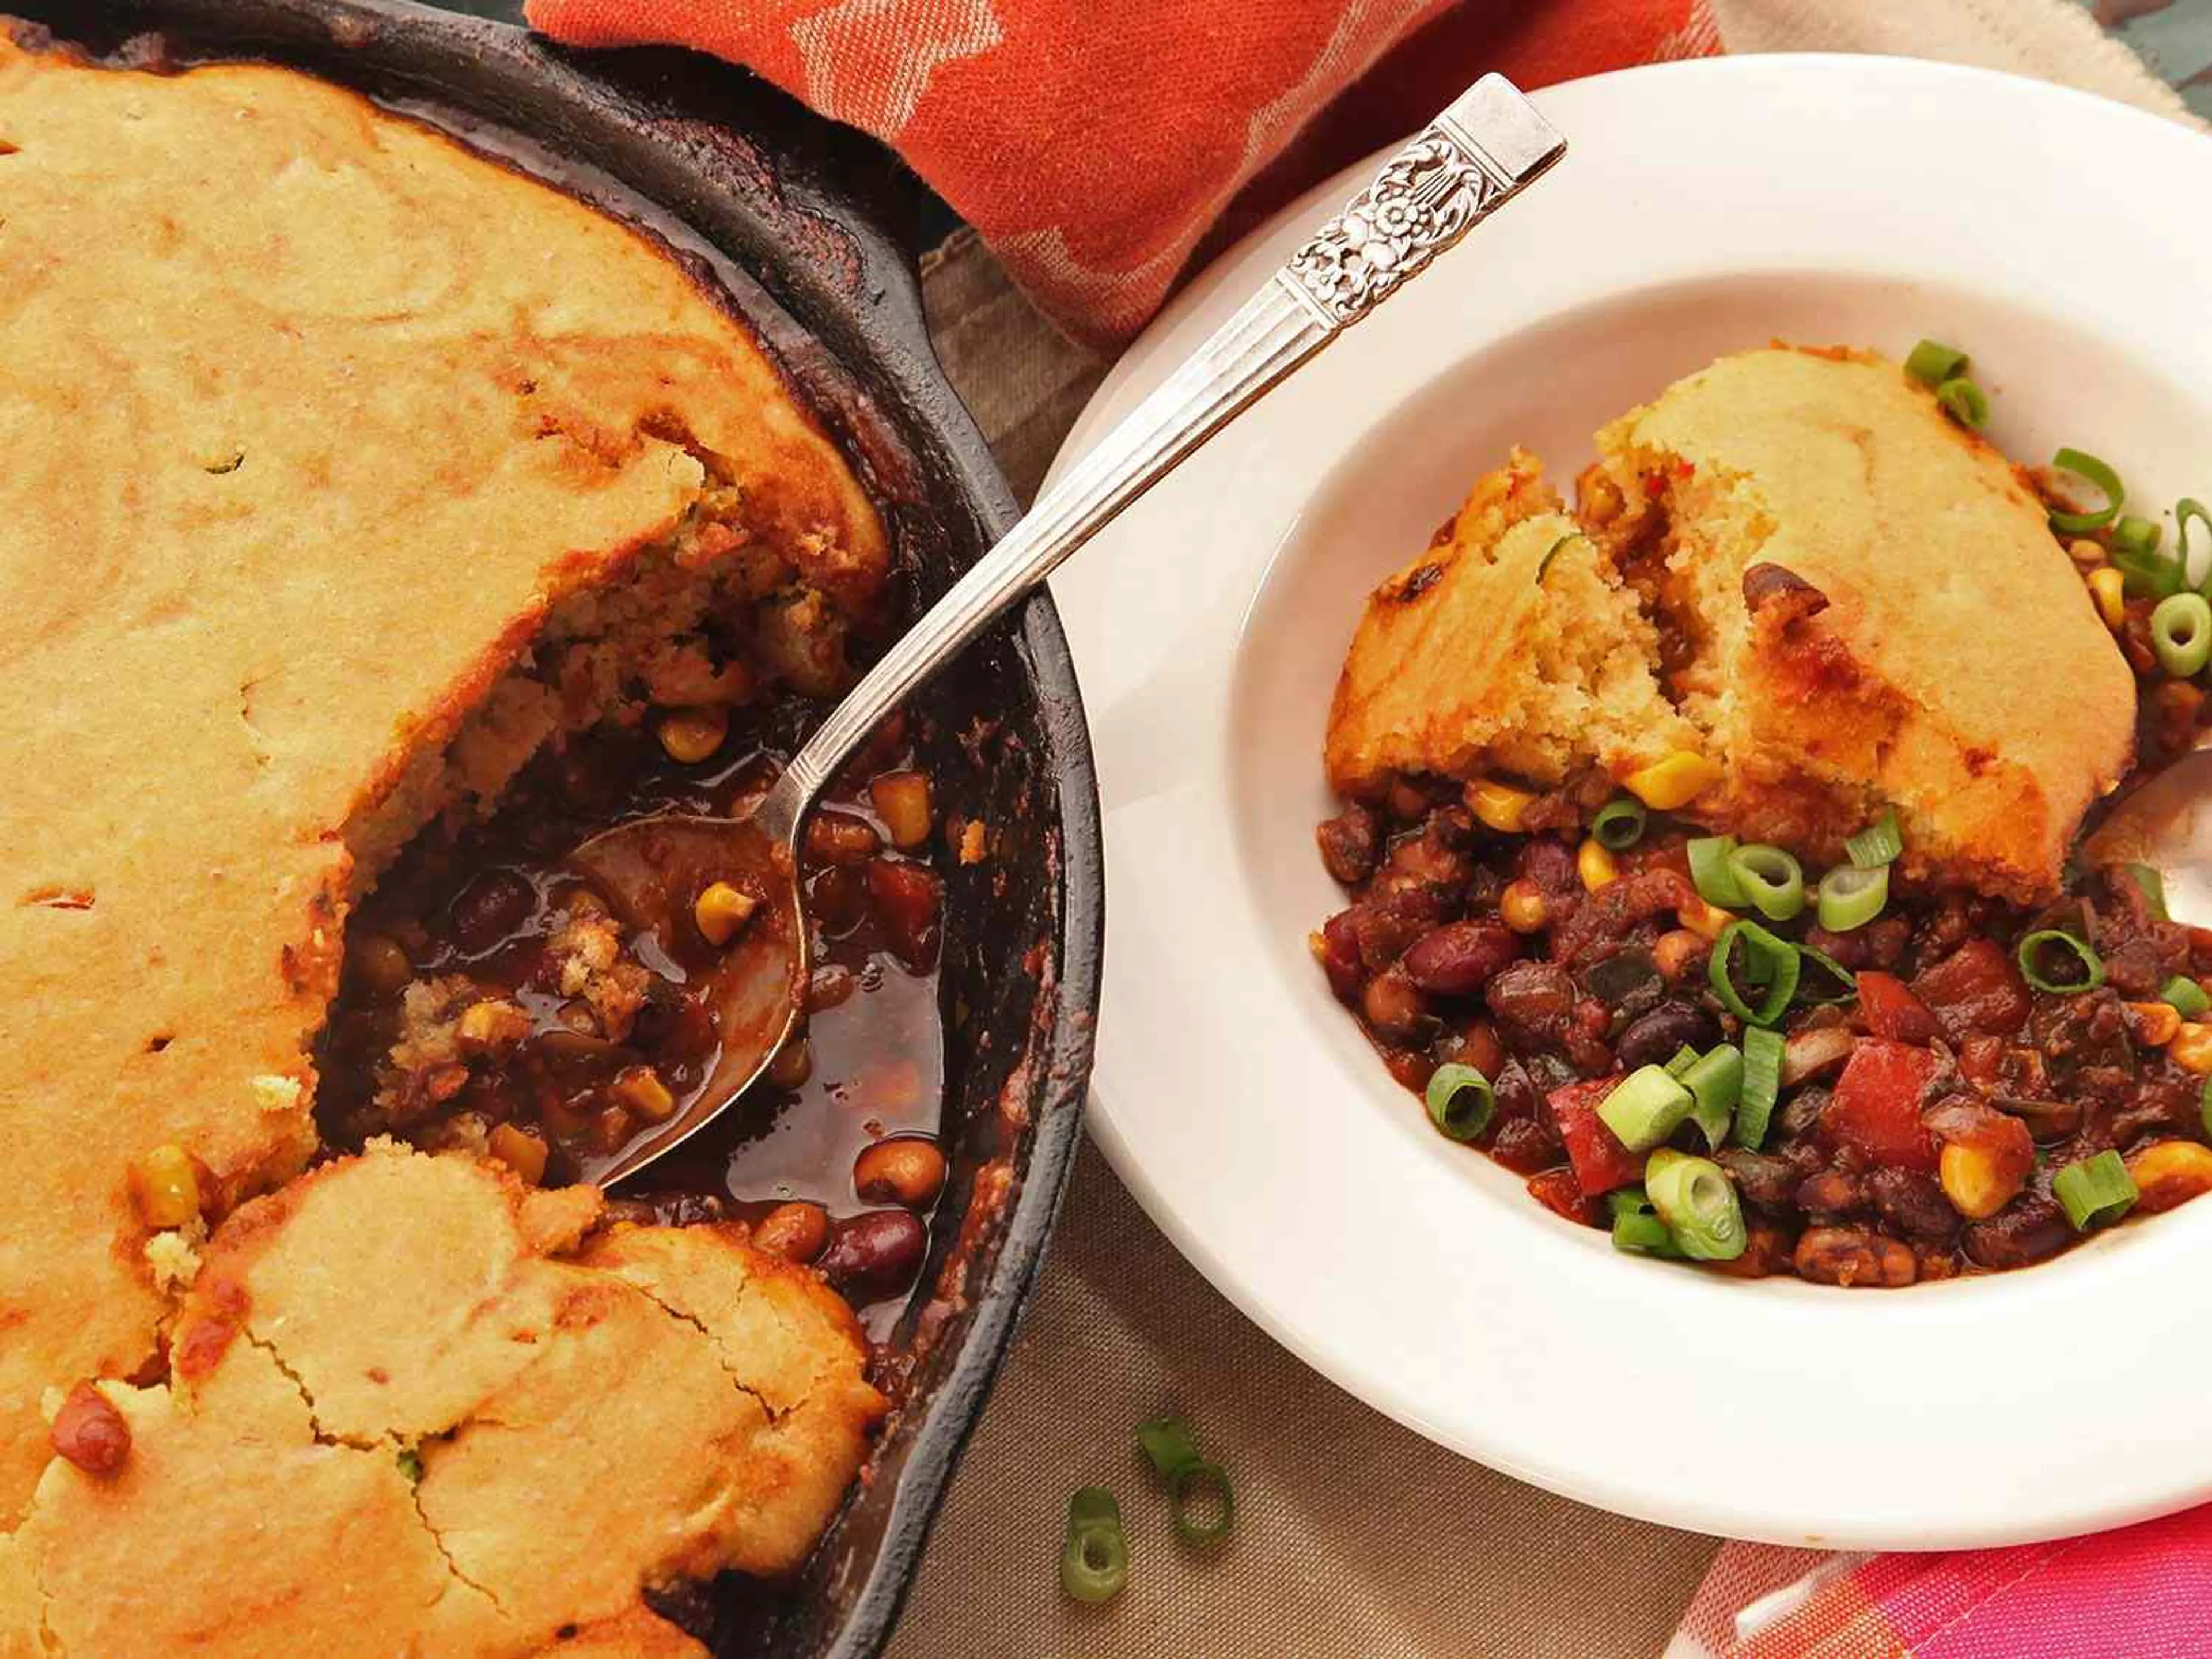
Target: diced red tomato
(1978, 1058)
(1976, 988)
(1601, 1162)
(1891, 1010)
(1876, 1106)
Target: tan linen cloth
(1354, 1538)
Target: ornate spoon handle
(1483, 150)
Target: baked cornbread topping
(1705, 842)
(371, 510)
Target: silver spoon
(2166, 822)
(1475, 157)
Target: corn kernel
(1674, 782)
(690, 735)
(639, 1088)
(2191, 1047)
(1596, 865)
(1977, 1184)
(2155, 1023)
(166, 1186)
(520, 1150)
(1676, 950)
(2171, 1172)
(2107, 587)
(2086, 553)
(1499, 806)
(1705, 919)
(721, 910)
(1521, 907)
(902, 801)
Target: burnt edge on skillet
(800, 225)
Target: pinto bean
(1854, 1256)
(1393, 1006)
(1349, 844)
(1832, 1192)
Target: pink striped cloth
(2144, 1592)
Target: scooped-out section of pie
(378, 523)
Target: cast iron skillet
(800, 223)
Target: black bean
(1767, 1183)
(1653, 1038)
(2029, 1229)
(488, 909)
(1912, 1203)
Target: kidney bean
(834, 837)
(488, 909)
(837, 899)
(1336, 947)
(1652, 1039)
(1526, 1144)
(2029, 1229)
(1854, 1256)
(1912, 1203)
(829, 986)
(906, 898)
(90, 1432)
(1385, 927)
(1532, 1001)
(874, 1254)
(1549, 864)
(1350, 842)
(1459, 959)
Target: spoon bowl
(2165, 823)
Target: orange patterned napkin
(1096, 145)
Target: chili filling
(495, 1000)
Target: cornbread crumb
(273, 1092)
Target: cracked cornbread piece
(1937, 652)
(1795, 566)
(347, 468)
(1469, 658)
(664, 1404)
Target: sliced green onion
(1619, 822)
(1775, 881)
(2184, 511)
(1168, 1443)
(1879, 842)
(2184, 995)
(2095, 1191)
(2153, 885)
(1964, 402)
(2107, 482)
(1768, 961)
(2204, 1106)
(1851, 897)
(1187, 1490)
(1461, 1100)
(1712, 874)
(2092, 966)
(1846, 981)
(1716, 1083)
(2181, 634)
(2149, 573)
(1697, 1200)
(1685, 1058)
(1642, 1234)
(1645, 1107)
(1762, 1085)
(1931, 362)
(410, 1465)
(1095, 1565)
(2134, 535)
(1627, 1200)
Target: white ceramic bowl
(1702, 208)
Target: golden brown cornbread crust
(345, 467)
(665, 1403)
(1952, 666)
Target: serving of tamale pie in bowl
(428, 450)
(1636, 719)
